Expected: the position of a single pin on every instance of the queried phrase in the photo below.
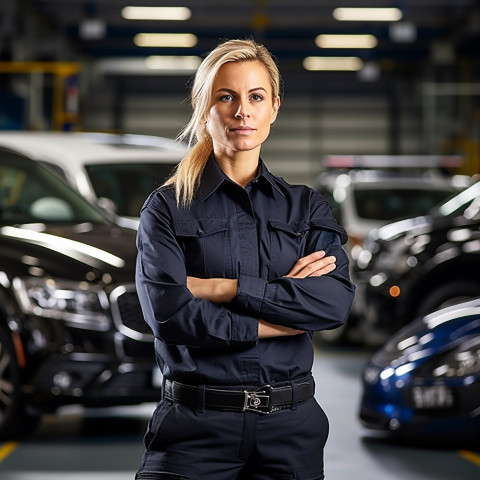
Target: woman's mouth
(242, 130)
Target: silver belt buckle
(257, 401)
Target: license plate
(432, 397)
(157, 377)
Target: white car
(364, 199)
(366, 196)
(116, 172)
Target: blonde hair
(189, 171)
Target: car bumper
(66, 365)
(391, 413)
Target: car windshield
(29, 193)
(389, 204)
(128, 184)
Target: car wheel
(15, 421)
(448, 294)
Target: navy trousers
(182, 443)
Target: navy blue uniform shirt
(254, 234)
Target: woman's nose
(241, 112)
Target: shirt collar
(213, 177)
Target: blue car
(424, 383)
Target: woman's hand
(223, 290)
(314, 265)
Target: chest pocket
(206, 247)
(287, 244)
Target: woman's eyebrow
(233, 91)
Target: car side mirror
(51, 208)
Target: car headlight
(78, 304)
(461, 362)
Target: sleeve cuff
(250, 293)
(244, 328)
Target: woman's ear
(276, 106)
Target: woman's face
(242, 107)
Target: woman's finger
(323, 271)
(314, 268)
(304, 261)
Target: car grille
(127, 314)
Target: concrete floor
(107, 443)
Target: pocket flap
(294, 228)
(200, 227)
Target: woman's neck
(242, 167)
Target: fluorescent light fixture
(403, 32)
(156, 13)
(367, 14)
(346, 41)
(182, 40)
(370, 72)
(92, 29)
(351, 64)
(147, 66)
(187, 63)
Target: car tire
(15, 421)
(448, 294)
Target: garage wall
(307, 127)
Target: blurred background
(404, 84)
(380, 113)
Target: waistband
(265, 399)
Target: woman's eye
(256, 97)
(225, 98)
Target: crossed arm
(223, 290)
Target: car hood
(80, 252)
(402, 227)
(430, 335)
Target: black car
(415, 266)
(71, 327)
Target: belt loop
(201, 398)
(163, 388)
(294, 395)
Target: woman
(236, 270)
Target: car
(366, 192)
(114, 171)
(423, 385)
(417, 265)
(71, 326)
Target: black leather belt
(265, 399)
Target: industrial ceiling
(429, 34)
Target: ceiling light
(177, 63)
(346, 41)
(182, 40)
(152, 65)
(156, 13)
(370, 72)
(352, 64)
(402, 32)
(367, 14)
(92, 29)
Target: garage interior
(414, 91)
